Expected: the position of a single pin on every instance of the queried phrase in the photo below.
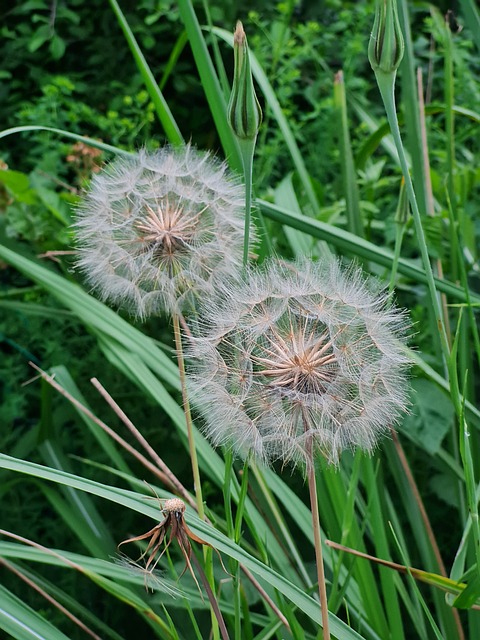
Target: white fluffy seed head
(299, 358)
(156, 229)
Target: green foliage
(65, 485)
(431, 417)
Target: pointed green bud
(244, 112)
(386, 47)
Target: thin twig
(419, 574)
(128, 447)
(197, 485)
(265, 596)
(212, 599)
(140, 438)
(49, 598)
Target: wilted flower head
(155, 227)
(298, 359)
(174, 524)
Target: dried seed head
(299, 357)
(156, 229)
(174, 505)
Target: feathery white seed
(299, 355)
(157, 229)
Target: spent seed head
(299, 358)
(157, 229)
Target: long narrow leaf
(138, 503)
(161, 107)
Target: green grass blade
(66, 134)
(21, 622)
(164, 114)
(418, 593)
(349, 243)
(68, 601)
(96, 315)
(472, 18)
(412, 113)
(377, 519)
(211, 85)
(300, 243)
(173, 59)
(226, 546)
(349, 177)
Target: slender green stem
(234, 532)
(280, 523)
(401, 218)
(241, 503)
(350, 187)
(450, 147)
(464, 280)
(237, 603)
(195, 468)
(247, 148)
(317, 538)
(188, 417)
(227, 492)
(399, 233)
(233, 564)
(386, 84)
(465, 450)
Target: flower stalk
(385, 53)
(317, 539)
(245, 117)
(197, 485)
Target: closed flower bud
(299, 358)
(156, 229)
(244, 112)
(386, 47)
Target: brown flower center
(301, 361)
(167, 228)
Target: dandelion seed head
(298, 356)
(156, 229)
